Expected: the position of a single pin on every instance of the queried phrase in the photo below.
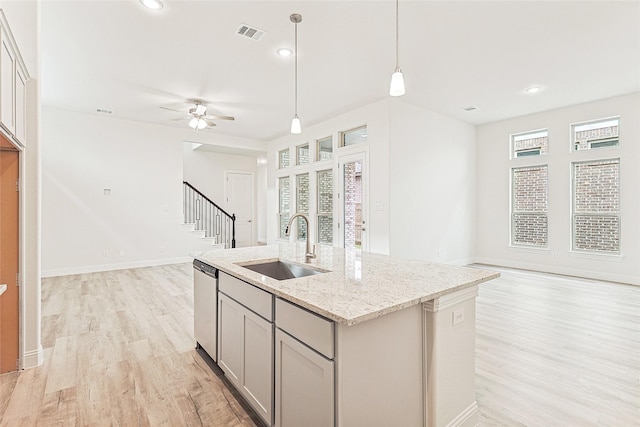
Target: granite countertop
(357, 287)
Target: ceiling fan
(197, 115)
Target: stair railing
(209, 217)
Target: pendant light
(295, 122)
(397, 80)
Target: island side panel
(379, 371)
(450, 359)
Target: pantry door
(9, 240)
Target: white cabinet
(13, 81)
(7, 82)
(304, 368)
(304, 385)
(245, 342)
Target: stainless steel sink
(281, 270)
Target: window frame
(512, 213)
(573, 141)
(320, 213)
(514, 137)
(298, 147)
(318, 142)
(574, 213)
(282, 213)
(280, 163)
(342, 134)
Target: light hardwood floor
(551, 351)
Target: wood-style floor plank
(557, 351)
(118, 350)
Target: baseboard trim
(466, 418)
(608, 277)
(112, 267)
(32, 358)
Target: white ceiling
(120, 56)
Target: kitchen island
(370, 340)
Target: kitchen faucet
(309, 254)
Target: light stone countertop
(357, 287)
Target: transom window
(595, 134)
(353, 136)
(325, 148)
(302, 154)
(533, 143)
(283, 158)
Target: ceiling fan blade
(212, 117)
(209, 123)
(172, 109)
(180, 118)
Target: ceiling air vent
(470, 108)
(252, 33)
(104, 111)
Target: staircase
(203, 215)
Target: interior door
(9, 235)
(353, 188)
(239, 191)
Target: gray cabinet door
(304, 385)
(230, 337)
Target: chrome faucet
(309, 255)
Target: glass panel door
(354, 212)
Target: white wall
(376, 117)
(493, 169)
(83, 154)
(432, 189)
(205, 170)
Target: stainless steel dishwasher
(205, 307)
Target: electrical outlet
(458, 316)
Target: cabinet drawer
(254, 299)
(311, 329)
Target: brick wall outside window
(596, 206)
(525, 144)
(529, 206)
(284, 190)
(325, 206)
(582, 138)
(353, 204)
(302, 203)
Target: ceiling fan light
(201, 124)
(397, 83)
(193, 123)
(296, 127)
(152, 4)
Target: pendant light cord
(296, 69)
(397, 55)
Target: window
(595, 134)
(353, 136)
(325, 206)
(530, 143)
(283, 159)
(529, 206)
(325, 148)
(302, 154)
(302, 203)
(596, 206)
(284, 192)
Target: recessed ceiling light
(283, 51)
(152, 4)
(534, 89)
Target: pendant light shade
(296, 127)
(295, 122)
(397, 79)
